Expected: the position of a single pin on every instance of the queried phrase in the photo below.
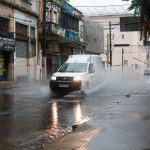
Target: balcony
(72, 35)
(58, 30)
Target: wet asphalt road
(29, 121)
(31, 117)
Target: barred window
(21, 30)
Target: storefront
(21, 60)
(53, 58)
(26, 47)
(7, 48)
(21, 52)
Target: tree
(142, 9)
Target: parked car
(77, 73)
(147, 71)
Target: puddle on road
(6, 102)
(66, 112)
(33, 124)
(62, 115)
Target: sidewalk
(7, 84)
(15, 84)
(126, 126)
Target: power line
(38, 1)
(105, 6)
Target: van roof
(80, 58)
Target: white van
(78, 73)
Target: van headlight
(53, 78)
(77, 78)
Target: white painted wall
(35, 6)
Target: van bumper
(65, 86)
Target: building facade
(63, 33)
(18, 34)
(21, 37)
(126, 47)
(7, 43)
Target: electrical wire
(105, 6)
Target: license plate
(63, 85)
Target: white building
(133, 55)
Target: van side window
(91, 68)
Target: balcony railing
(72, 35)
(56, 29)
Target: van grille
(64, 78)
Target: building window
(69, 22)
(4, 24)
(122, 36)
(21, 30)
(126, 62)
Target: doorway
(4, 66)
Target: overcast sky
(111, 9)
(97, 2)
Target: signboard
(129, 24)
(121, 45)
(7, 44)
(53, 47)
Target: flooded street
(31, 117)
(27, 121)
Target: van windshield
(73, 67)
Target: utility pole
(44, 42)
(122, 57)
(107, 49)
(110, 43)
